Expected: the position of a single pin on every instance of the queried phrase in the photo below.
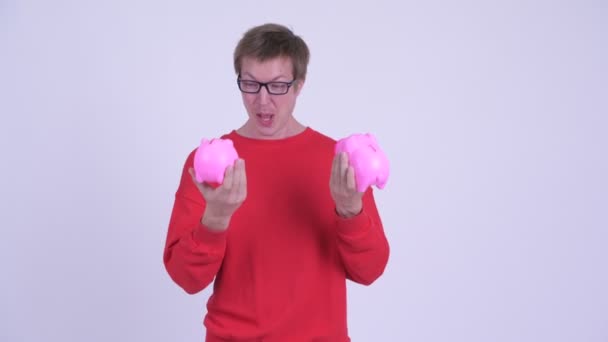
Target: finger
(343, 169)
(228, 178)
(240, 180)
(243, 180)
(350, 179)
(236, 177)
(194, 180)
(335, 171)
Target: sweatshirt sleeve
(193, 254)
(362, 243)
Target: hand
(224, 200)
(349, 201)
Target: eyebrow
(272, 80)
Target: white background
(493, 114)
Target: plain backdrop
(494, 115)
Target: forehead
(273, 68)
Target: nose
(263, 96)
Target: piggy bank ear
(372, 139)
(348, 144)
(373, 142)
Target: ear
(298, 87)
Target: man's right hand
(224, 200)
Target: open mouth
(265, 119)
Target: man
(287, 227)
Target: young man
(287, 227)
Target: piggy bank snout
(212, 158)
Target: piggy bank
(212, 158)
(367, 159)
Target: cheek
(284, 102)
(248, 100)
(286, 105)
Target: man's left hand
(349, 201)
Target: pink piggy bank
(367, 158)
(212, 158)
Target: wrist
(214, 221)
(348, 212)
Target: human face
(270, 116)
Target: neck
(293, 127)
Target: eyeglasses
(254, 87)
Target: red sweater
(281, 267)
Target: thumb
(201, 186)
(193, 175)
